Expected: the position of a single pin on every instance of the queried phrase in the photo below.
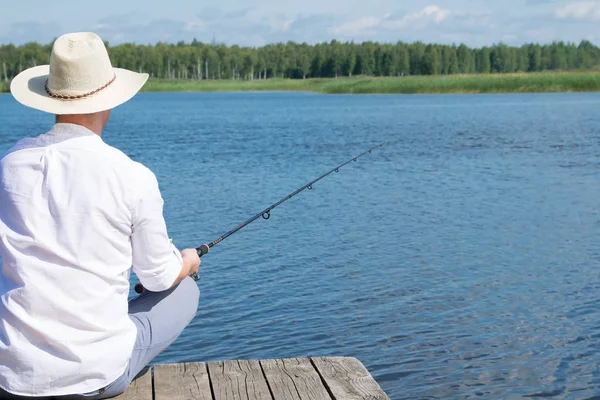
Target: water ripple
(460, 262)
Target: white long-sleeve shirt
(75, 216)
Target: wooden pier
(318, 378)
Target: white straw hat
(79, 80)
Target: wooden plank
(239, 380)
(348, 379)
(294, 379)
(140, 389)
(181, 382)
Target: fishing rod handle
(202, 250)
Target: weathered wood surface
(238, 380)
(322, 378)
(294, 379)
(181, 382)
(140, 389)
(348, 379)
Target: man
(75, 216)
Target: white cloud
(428, 15)
(368, 26)
(275, 23)
(283, 25)
(580, 11)
(437, 13)
(363, 26)
(473, 22)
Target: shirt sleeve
(156, 262)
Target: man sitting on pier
(75, 216)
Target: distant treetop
(199, 60)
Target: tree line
(198, 60)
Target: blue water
(461, 261)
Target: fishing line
(266, 213)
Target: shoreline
(542, 82)
(365, 93)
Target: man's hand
(191, 263)
(191, 260)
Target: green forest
(213, 61)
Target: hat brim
(28, 88)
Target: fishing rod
(266, 213)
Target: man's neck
(91, 124)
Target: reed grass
(162, 85)
(586, 81)
(511, 83)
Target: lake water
(460, 261)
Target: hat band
(81, 96)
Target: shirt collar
(71, 130)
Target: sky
(258, 22)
